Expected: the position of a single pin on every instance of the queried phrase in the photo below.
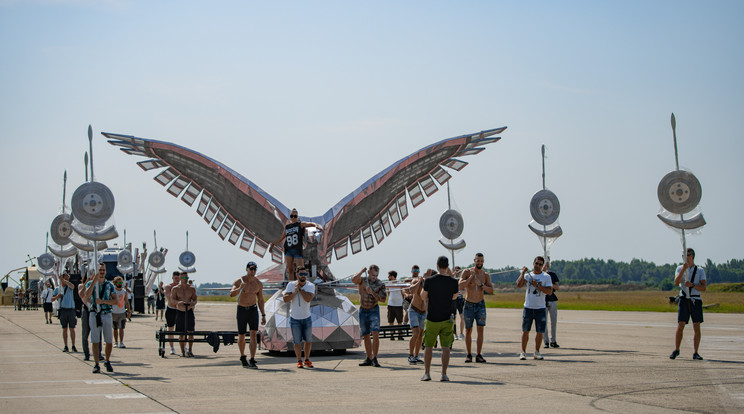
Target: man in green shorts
(441, 290)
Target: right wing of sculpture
(381, 204)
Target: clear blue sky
(310, 99)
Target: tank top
(293, 241)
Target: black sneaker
(375, 363)
(252, 363)
(96, 369)
(674, 354)
(109, 368)
(479, 358)
(554, 345)
(65, 350)
(697, 356)
(366, 363)
(74, 349)
(469, 358)
(243, 361)
(101, 357)
(87, 358)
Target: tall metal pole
(545, 228)
(449, 207)
(681, 216)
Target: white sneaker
(444, 378)
(426, 377)
(173, 351)
(121, 345)
(522, 356)
(116, 345)
(462, 337)
(537, 355)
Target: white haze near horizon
(309, 100)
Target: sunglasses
(118, 285)
(252, 268)
(303, 273)
(293, 216)
(539, 264)
(415, 270)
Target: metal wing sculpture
(240, 211)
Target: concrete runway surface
(610, 362)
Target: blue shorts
(293, 253)
(369, 320)
(302, 330)
(416, 319)
(694, 309)
(537, 315)
(474, 312)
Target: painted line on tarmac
(672, 324)
(109, 396)
(89, 382)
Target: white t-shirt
(299, 308)
(533, 297)
(121, 296)
(47, 295)
(699, 275)
(395, 297)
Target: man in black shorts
(170, 310)
(249, 291)
(691, 280)
(185, 297)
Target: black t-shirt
(554, 279)
(294, 236)
(440, 289)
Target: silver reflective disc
(156, 259)
(545, 207)
(124, 258)
(679, 192)
(451, 224)
(61, 229)
(46, 261)
(187, 259)
(92, 204)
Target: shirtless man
(185, 297)
(371, 291)
(475, 282)
(416, 316)
(170, 310)
(249, 291)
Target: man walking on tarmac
(249, 291)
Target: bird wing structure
(244, 214)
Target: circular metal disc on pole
(124, 258)
(451, 224)
(545, 207)
(46, 261)
(61, 229)
(92, 203)
(679, 192)
(156, 259)
(187, 259)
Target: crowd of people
(429, 303)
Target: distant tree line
(598, 271)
